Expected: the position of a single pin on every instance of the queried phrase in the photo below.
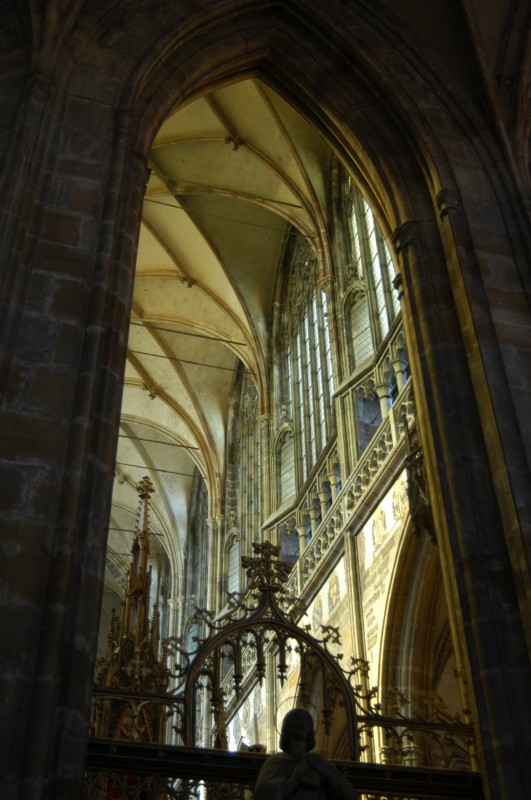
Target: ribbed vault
(230, 173)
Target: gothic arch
(355, 298)
(434, 177)
(416, 639)
(232, 542)
(422, 186)
(283, 444)
(265, 629)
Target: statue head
(297, 729)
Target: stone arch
(267, 627)
(515, 56)
(232, 543)
(283, 445)
(416, 641)
(434, 176)
(422, 185)
(355, 297)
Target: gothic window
(379, 270)
(249, 457)
(288, 382)
(327, 344)
(307, 369)
(360, 328)
(371, 304)
(289, 545)
(287, 468)
(300, 415)
(197, 553)
(368, 415)
(233, 581)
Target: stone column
(384, 392)
(332, 477)
(323, 499)
(173, 623)
(386, 754)
(301, 530)
(357, 624)
(312, 511)
(216, 527)
(399, 367)
(219, 572)
(473, 516)
(413, 755)
(70, 226)
(264, 427)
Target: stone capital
(448, 202)
(406, 235)
(325, 282)
(398, 285)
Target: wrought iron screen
(168, 739)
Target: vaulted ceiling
(230, 172)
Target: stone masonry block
(62, 259)
(13, 493)
(86, 115)
(61, 227)
(49, 391)
(30, 438)
(69, 300)
(85, 200)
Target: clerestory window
(248, 439)
(371, 305)
(307, 364)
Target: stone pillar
(273, 720)
(356, 626)
(173, 624)
(475, 518)
(386, 754)
(413, 755)
(323, 499)
(399, 367)
(219, 571)
(384, 392)
(264, 427)
(312, 511)
(70, 226)
(216, 526)
(301, 530)
(334, 483)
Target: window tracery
(232, 555)
(369, 303)
(249, 479)
(307, 360)
(286, 454)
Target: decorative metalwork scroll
(256, 630)
(255, 639)
(131, 667)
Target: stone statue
(296, 773)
